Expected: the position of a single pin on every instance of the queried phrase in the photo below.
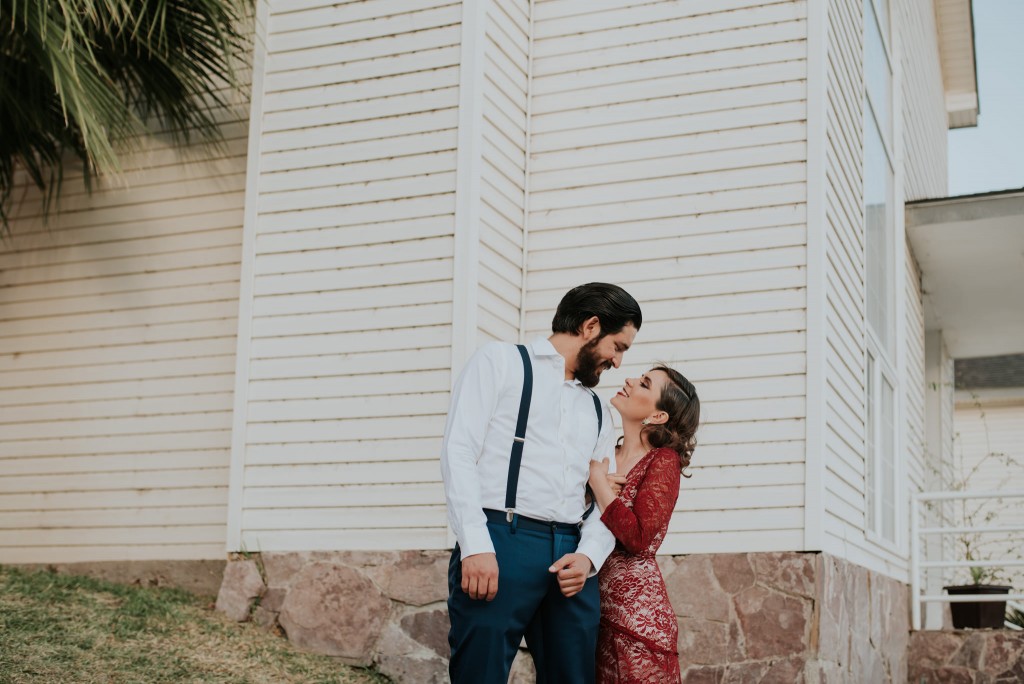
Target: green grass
(63, 628)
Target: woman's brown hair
(679, 400)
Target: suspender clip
(509, 514)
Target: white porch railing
(917, 564)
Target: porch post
(938, 459)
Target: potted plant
(978, 614)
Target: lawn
(62, 628)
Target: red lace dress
(637, 640)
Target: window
(880, 472)
(870, 516)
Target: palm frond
(85, 76)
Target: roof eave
(955, 24)
(969, 250)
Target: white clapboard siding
(117, 358)
(668, 150)
(923, 140)
(992, 429)
(504, 113)
(845, 411)
(729, 541)
(409, 536)
(925, 122)
(350, 313)
(845, 314)
(385, 448)
(139, 517)
(389, 494)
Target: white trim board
(469, 166)
(236, 475)
(814, 449)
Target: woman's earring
(645, 421)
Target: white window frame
(887, 365)
(882, 370)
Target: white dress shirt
(561, 440)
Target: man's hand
(480, 576)
(572, 569)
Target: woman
(637, 640)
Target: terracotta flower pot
(978, 615)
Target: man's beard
(589, 365)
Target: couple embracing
(551, 545)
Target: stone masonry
(750, 617)
(366, 608)
(784, 618)
(978, 656)
(863, 625)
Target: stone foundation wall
(863, 625)
(977, 656)
(746, 617)
(752, 617)
(367, 608)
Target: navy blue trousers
(560, 632)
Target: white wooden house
(252, 352)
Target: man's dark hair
(612, 305)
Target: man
(523, 558)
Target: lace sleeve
(656, 497)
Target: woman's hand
(599, 471)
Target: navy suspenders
(516, 457)
(600, 417)
(600, 413)
(520, 438)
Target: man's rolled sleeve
(596, 541)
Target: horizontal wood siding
(351, 307)
(924, 146)
(503, 182)
(990, 432)
(668, 155)
(845, 313)
(660, 145)
(118, 320)
(925, 126)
